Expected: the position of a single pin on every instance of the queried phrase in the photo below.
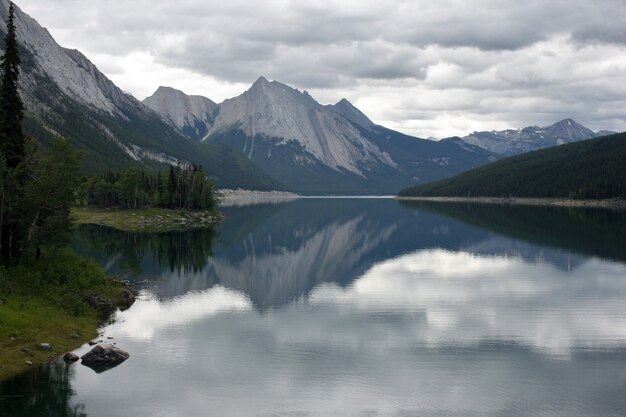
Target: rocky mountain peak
(69, 69)
(282, 115)
(193, 115)
(514, 142)
(350, 112)
(569, 130)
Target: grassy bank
(146, 220)
(59, 299)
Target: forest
(590, 169)
(182, 187)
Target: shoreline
(146, 220)
(617, 204)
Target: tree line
(589, 169)
(182, 187)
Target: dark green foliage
(179, 188)
(11, 106)
(181, 251)
(591, 169)
(35, 199)
(588, 231)
(64, 279)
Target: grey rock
(514, 142)
(69, 357)
(104, 357)
(275, 110)
(193, 115)
(29, 363)
(1, 302)
(128, 299)
(27, 351)
(45, 346)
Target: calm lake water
(356, 307)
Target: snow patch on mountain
(514, 142)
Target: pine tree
(11, 106)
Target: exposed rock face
(347, 110)
(275, 110)
(64, 93)
(104, 357)
(514, 142)
(192, 115)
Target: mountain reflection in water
(360, 307)
(277, 253)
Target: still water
(355, 307)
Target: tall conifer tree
(11, 106)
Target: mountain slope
(514, 142)
(312, 148)
(192, 115)
(594, 168)
(66, 94)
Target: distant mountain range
(310, 147)
(270, 137)
(590, 169)
(514, 142)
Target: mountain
(593, 168)
(312, 148)
(515, 142)
(192, 115)
(64, 93)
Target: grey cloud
(612, 32)
(399, 52)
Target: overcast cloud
(435, 68)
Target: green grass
(25, 322)
(48, 301)
(146, 220)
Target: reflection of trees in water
(42, 392)
(596, 232)
(180, 251)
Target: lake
(358, 307)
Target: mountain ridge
(512, 142)
(315, 148)
(65, 94)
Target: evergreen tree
(11, 106)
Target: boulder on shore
(69, 357)
(104, 357)
(127, 299)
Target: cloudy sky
(428, 68)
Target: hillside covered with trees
(591, 169)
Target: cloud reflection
(151, 314)
(469, 299)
